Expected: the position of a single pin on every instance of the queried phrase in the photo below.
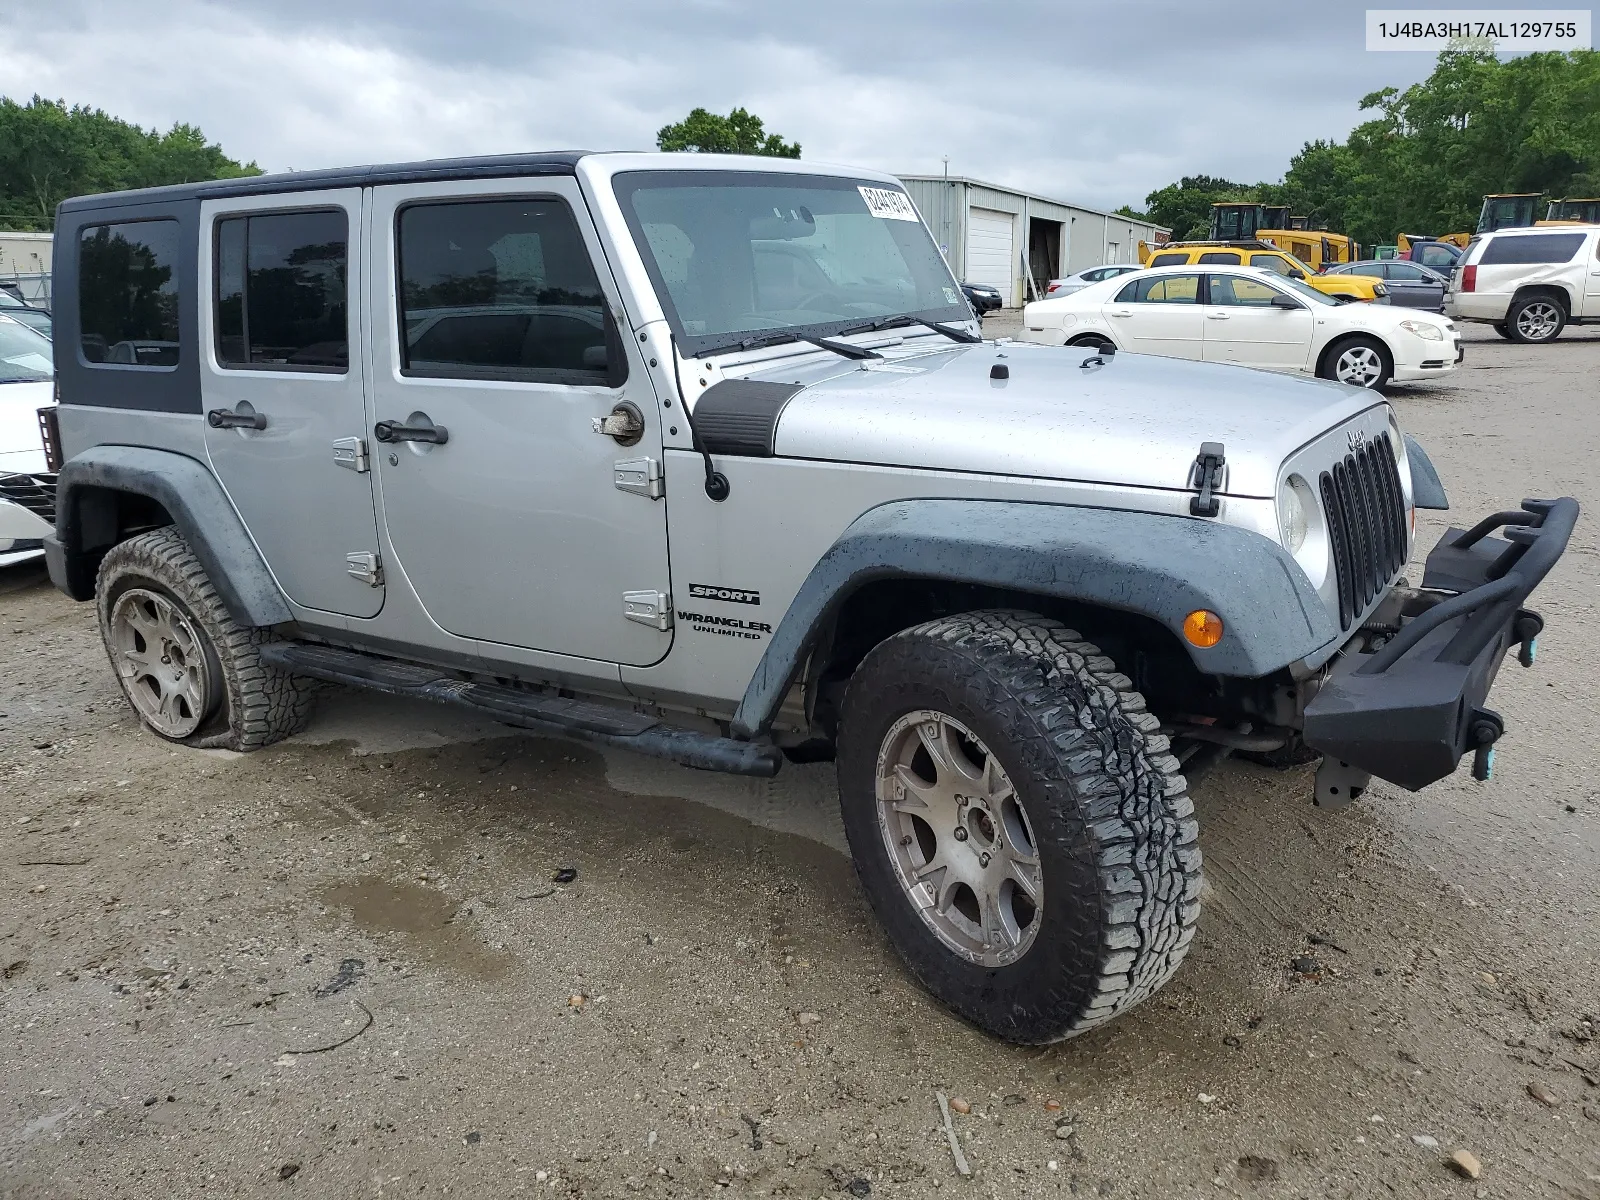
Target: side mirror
(1282, 301)
(1295, 273)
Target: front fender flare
(199, 508)
(1159, 566)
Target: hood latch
(1207, 478)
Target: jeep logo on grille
(1356, 440)
(707, 591)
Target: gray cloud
(1098, 103)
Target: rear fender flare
(1155, 565)
(191, 495)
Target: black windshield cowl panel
(739, 417)
(952, 332)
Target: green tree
(739, 132)
(49, 152)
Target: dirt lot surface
(342, 967)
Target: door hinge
(648, 608)
(351, 454)
(641, 476)
(365, 566)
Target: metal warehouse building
(999, 236)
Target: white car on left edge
(1252, 318)
(27, 486)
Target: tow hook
(1483, 733)
(1526, 629)
(1338, 784)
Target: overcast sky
(1095, 102)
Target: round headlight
(1293, 520)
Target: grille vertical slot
(1364, 504)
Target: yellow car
(1259, 254)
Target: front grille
(36, 493)
(1366, 512)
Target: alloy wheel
(1359, 365)
(162, 662)
(959, 838)
(1538, 321)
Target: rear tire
(1502, 330)
(1534, 320)
(1049, 771)
(1359, 361)
(192, 674)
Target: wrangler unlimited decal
(728, 626)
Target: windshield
(741, 256)
(24, 354)
(1304, 289)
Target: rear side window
(1163, 289)
(1168, 260)
(128, 294)
(1220, 259)
(505, 289)
(1532, 248)
(281, 300)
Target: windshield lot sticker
(889, 204)
(711, 591)
(727, 626)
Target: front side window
(1220, 258)
(128, 293)
(1162, 289)
(502, 289)
(1438, 255)
(1238, 291)
(1406, 272)
(1271, 262)
(281, 291)
(1532, 248)
(741, 257)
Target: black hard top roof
(556, 162)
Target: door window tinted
(1407, 273)
(1439, 255)
(280, 297)
(505, 289)
(1164, 289)
(1169, 260)
(128, 293)
(1221, 258)
(1374, 270)
(1239, 291)
(1532, 248)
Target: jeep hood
(1137, 421)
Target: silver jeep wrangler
(702, 456)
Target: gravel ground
(343, 966)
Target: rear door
(1591, 288)
(285, 394)
(1160, 315)
(1244, 326)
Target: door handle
(1123, 312)
(1217, 316)
(226, 418)
(392, 431)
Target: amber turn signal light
(1203, 628)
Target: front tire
(192, 674)
(1017, 822)
(1359, 361)
(1534, 320)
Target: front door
(1591, 300)
(496, 349)
(284, 394)
(1244, 326)
(1159, 315)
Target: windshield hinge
(1206, 477)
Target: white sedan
(1074, 283)
(27, 488)
(1253, 318)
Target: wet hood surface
(1137, 420)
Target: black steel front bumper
(1409, 710)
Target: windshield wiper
(949, 331)
(777, 339)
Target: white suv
(1529, 283)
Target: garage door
(989, 255)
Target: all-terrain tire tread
(261, 704)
